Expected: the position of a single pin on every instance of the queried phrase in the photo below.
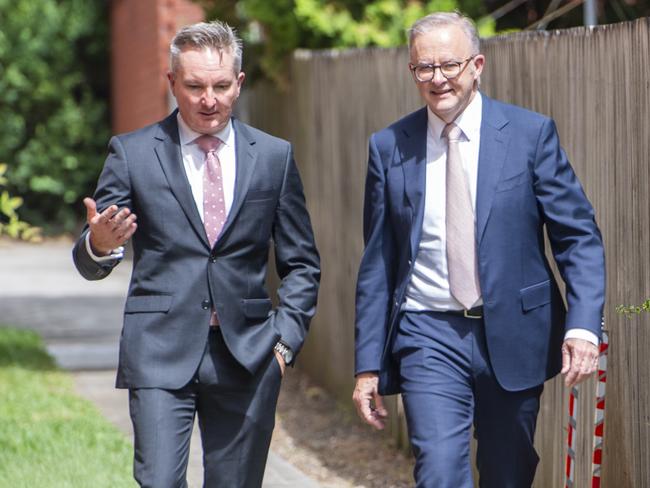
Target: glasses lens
(450, 70)
(424, 73)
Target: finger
(124, 227)
(566, 359)
(120, 216)
(380, 410)
(128, 233)
(91, 208)
(108, 213)
(572, 374)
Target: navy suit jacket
(178, 278)
(525, 185)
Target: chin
(443, 110)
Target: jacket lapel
(412, 152)
(492, 154)
(168, 150)
(246, 159)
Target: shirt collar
(469, 120)
(187, 135)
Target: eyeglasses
(450, 70)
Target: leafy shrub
(10, 223)
(53, 86)
(629, 310)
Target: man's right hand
(368, 401)
(109, 229)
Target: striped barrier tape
(599, 423)
(599, 415)
(571, 440)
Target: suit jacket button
(213, 259)
(205, 304)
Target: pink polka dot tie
(214, 205)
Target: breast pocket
(512, 182)
(259, 195)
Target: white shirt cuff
(584, 334)
(117, 253)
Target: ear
(240, 79)
(479, 62)
(172, 82)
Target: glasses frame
(460, 64)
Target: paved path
(80, 322)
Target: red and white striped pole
(571, 440)
(599, 416)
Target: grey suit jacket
(177, 278)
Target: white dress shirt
(194, 158)
(428, 289)
(429, 286)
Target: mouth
(208, 114)
(440, 92)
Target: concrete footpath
(80, 322)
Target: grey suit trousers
(236, 412)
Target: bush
(10, 223)
(53, 91)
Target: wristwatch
(285, 351)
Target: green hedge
(53, 101)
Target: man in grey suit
(200, 334)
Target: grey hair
(442, 19)
(206, 35)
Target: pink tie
(461, 239)
(214, 206)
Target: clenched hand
(368, 401)
(579, 360)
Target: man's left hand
(280, 359)
(579, 361)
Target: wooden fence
(596, 84)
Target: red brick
(141, 31)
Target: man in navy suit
(457, 308)
(200, 335)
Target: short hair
(206, 35)
(443, 19)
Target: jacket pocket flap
(535, 295)
(253, 195)
(512, 181)
(256, 308)
(148, 303)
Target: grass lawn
(49, 437)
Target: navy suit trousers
(447, 386)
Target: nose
(438, 77)
(209, 97)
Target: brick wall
(140, 34)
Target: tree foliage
(10, 223)
(272, 30)
(53, 87)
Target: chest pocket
(513, 181)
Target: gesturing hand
(368, 401)
(579, 360)
(110, 228)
